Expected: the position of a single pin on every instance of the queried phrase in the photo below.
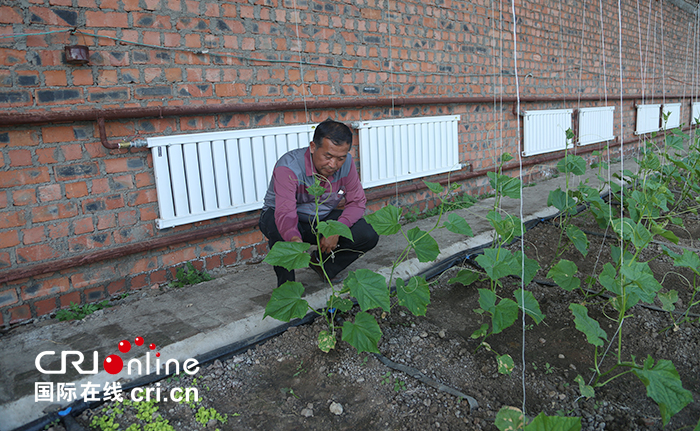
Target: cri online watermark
(113, 364)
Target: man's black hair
(336, 132)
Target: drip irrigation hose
(425, 379)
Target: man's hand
(328, 244)
(295, 239)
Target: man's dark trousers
(364, 239)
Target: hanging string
(297, 18)
(663, 50)
(653, 62)
(392, 113)
(580, 73)
(685, 69)
(622, 135)
(520, 174)
(696, 65)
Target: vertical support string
(301, 63)
(520, 174)
(622, 128)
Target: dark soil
(287, 383)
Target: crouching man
(289, 210)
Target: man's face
(328, 157)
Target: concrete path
(196, 320)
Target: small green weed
(290, 391)
(399, 385)
(188, 275)
(79, 312)
(104, 423)
(51, 424)
(386, 378)
(548, 369)
(300, 369)
(204, 415)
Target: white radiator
(673, 110)
(695, 114)
(545, 131)
(207, 175)
(595, 125)
(648, 118)
(407, 148)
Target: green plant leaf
(326, 341)
(569, 135)
(426, 248)
(386, 220)
(572, 164)
(505, 314)
(608, 279)
(498, 263)
(578, 238)
(364, 334)
(697, 427)
(531, 267)
(289, 255)
(285, 302)
(505, 185)
(640, 282)
(334, 227)
(316, 189)
(671, 253)
(641, 235)
(481, 332)
(543, 422)
(590, 327)
(561, 201)
(656, 229)
(507, 227)
(487, 300)
(505, 364)
(664, 387)
(688, 260)
(531, 306)
(623, 228)
(457, 224)
(436, 188)
(465, 277)
(369, 288)
(510, 419)
(675, 141)
(586, 390)
(340, 304)
(415, 296)
(668, 300)
(564, 274)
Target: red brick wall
(62, 194)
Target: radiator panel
(407, 148)
(595, 125)
(648, 118)
(545, 131)
(673, 110)
(695, 113)
(208, 175)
